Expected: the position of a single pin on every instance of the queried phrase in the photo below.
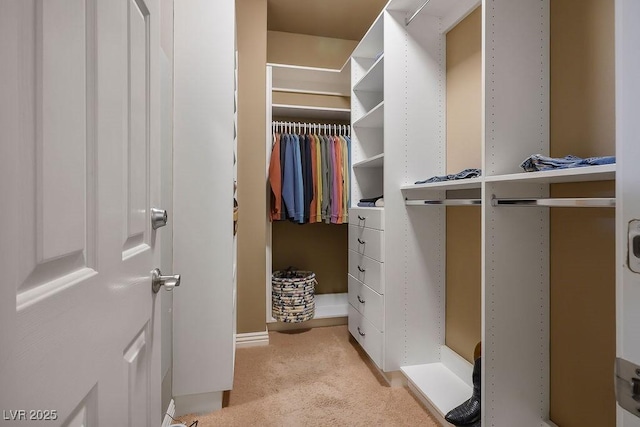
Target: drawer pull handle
(362, 270)
(361, 300)
(362, 242)
(360, 332)
(361, 218)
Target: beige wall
(309, 99)
(251, 18)
(582, 240)
(310, 51)
(464, 94)
(321, 248)
(464, 150)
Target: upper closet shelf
(373, 119)
(307, 112)
(372, 81)
(372, 162)
(372, 43)
(583, 174)
(460, 184)
(451, 12)
(319, 81)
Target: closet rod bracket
(408, 21)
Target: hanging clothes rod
(606, 202)
(408, 21)
(336, 129)
(445, 202)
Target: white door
(79, 171)
(628, 211)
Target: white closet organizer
(295, 79)
(404, 329)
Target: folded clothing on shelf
(371, 199)
(373, 202)
(464, 174)
(538, 162)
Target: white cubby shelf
(372, 119)
(372, 81)
(372, 162)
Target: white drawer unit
(367, 270)
(367, 241)
(367, 301)
(367, 335)
(367, 217)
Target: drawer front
(367, 301)
(367, 217)
(367, 270)
(367, 335)
(367, 241)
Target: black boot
(468, 413)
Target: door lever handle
(158, 280)
(158, 218)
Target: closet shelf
(460, 184)
(607, 202)
(331, 305)
(444, 202)
(583, 174)
(321, 81)
(373, 80)
(373, 119)
(437, 385)
(371, 162)
(308, 112)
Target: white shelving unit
(314, 81)
(411, 143)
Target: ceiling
(341, 19)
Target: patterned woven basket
(292, 296)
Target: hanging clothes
(309, 174)
(275, 180)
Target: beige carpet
(318, 377)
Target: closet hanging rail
(445, 202)
(606, 202)
(408, 21)
(336, 129)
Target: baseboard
(313, 323)
(171, 412)
(198, 404)
(252, 339)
